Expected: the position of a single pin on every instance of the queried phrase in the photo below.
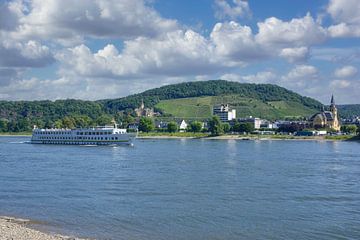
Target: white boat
(101, 135)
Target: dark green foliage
(226, 127)
(263, 92)
(215, 126)
(172, 127)
(243, 127)
(349, 110)
(22, 115)
(349, 128)
(195, 126)
(146, 124)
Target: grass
(340, 137)
(15, 133)
(201, 107)
(176, 134)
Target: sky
(101, 49)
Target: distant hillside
(261, 92)
(349, 110)
(188, 100)
(201, 107)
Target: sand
(17, 229)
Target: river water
(185, 189)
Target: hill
(349, 110)
(188, 100)
(261, 92)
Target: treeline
(348, 111)
(18, 116)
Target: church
(326, 119)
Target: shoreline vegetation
(20, 229)
(191, 135)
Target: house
(183, 126)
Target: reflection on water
(186, 189)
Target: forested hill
(349, 110)
(22, 115)
(263, 92)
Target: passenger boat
(101, 135)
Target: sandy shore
(17, 229)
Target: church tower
(335, 124)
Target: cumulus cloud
(295, 54)
(346, 72)
(340, 84)
(236, 43)
(28, 54)
(298, 32)
(8, 16)
(300, 76)
(346, 14)
(238, 8)
(260, 77)
(57, 19)
(172, 54)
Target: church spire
(332, 100)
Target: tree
(172, 127)
(215, 126)
(3, 125)
(243, 127)
(146, 124)
(68, 122)
(349, 128)
(195, 126)
(226, 127)
(103, 120)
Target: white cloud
(346, 14)
(260, 77)
(58, 20)
(340, 84)
(298, 32)
(238, 8)
(295, 54)
(173, 54)
(27, 54)
(300, 76)
(346, 72)
(236, 43)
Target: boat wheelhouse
(104, 135)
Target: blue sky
(113, 48)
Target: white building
(183, 126)
(224, 112)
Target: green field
(201, 107)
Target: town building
(326, 119)
(255, 121)
(183, 126)
(144, 112)
(224, 112)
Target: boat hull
(90, 142)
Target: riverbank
(190, 135)
(18, 229)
